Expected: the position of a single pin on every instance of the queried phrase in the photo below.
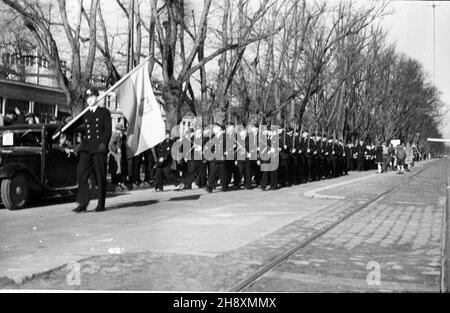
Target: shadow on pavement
(37, 203)
(131, 204)
(186, 198)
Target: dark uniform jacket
(97, 131)
(164, 151)
(296, 143)
(310, 146)
(285, 141)
(329, 149)
(348, 151)
(303, 145)
(379, 154)
(361, 150)
(339, 149)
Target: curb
(314, 193)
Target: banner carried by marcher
(136, 99)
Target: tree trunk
(138, 51)
(173, 102)
(77, 100)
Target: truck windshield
(20, 138)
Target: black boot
(79, 209)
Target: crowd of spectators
(17, 117)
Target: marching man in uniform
(93, 154)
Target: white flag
(146, 127)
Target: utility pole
(434, 49)
(433, 5)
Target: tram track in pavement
(250, 280)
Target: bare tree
(15, 42)
(40, 26)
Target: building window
(108, 102)
(27, 61)
(45, 112)
(43, 63)
(6, 58)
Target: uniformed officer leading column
(93, 152)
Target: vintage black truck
(33, 165)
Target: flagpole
(117, 84)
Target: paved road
(394, 243)
(195, 241)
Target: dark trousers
(237, 174)
(246, 171)
(316, 167)
(349, 161)
(294, 168)
(324, 169)
(230, 171)
(217, 171)
(202, 177)
(361, 163)
(116, 178)
(332, 166)
(256, 170)
(328, 167)
(134, 170)
(144, 162)
(309, 167)
(269, 178)
(191, 173)
(162, 174)
(195, 171)
(284, 172)
(344, 166)
(136, 164)
(302, 168)
(89, 162)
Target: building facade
(47, 103)
(32, 69)
(30, 85)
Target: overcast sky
(411, 26)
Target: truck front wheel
(15, 192)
